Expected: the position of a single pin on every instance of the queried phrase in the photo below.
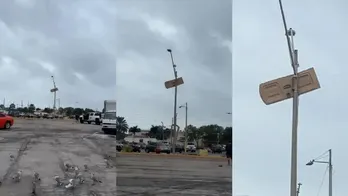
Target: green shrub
(127, 148)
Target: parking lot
(45, 146)
(170, 175)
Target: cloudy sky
(262, 134)
(73, 40)
(199, 34)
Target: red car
(6, 121)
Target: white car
(190, 147)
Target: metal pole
(294, 127)
(175, 101)
(298, 189)
(186, 134)
(293, 181)
(330, 172)
(54, 100)
(162, 131)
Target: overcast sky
(199, 34)
(72, 40)
(262, 134)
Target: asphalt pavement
(161, 175)
(45, 146)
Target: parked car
(6, 121)
(217, 148)
(191, 147)
(136, 147)
(179, 148)
(119, 147)
(151, 147)
(162, 148)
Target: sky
(262, 133)
(199, 33)
(75, 41)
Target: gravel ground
(44, 146)
(163, 176)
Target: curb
(172, 155)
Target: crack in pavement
(14, 163)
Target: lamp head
(169, 50)
(311, 162)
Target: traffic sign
(281, 89)
(173, 83)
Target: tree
(48, 110)
(193, 133)
(165, 135)
(69, 111)
(31, 108)
(38, 109)
(78, 111)
(226, 135)
(88, 110)
(134, 130)
(121, 127)
(25, 110)
(154, 130)
(12, 106)
(60, 110)
(159, 132)
(211, 134)
(2, 106)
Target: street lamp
(175, 99)
(186, 134)
(329, 162)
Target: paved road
(160, 176)
(44, 146)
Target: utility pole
(330, 168)
(186, 131)
(58, 100)
(175, 99)
(162, 131)
(330, 172)
(290, 33)
(298, 189)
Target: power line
(322, 155)
(322, 181)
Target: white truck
(94, 117)
(109, 119)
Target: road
(44, 146)
(145, 175)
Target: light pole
(290, 33)
(162, 131)
(230, 113)
(186, 134)
(175, 99)
(58, 100)
(330, 167)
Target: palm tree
(134, 130)
(121, 124)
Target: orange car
(6, 121)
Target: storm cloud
(74, 41)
